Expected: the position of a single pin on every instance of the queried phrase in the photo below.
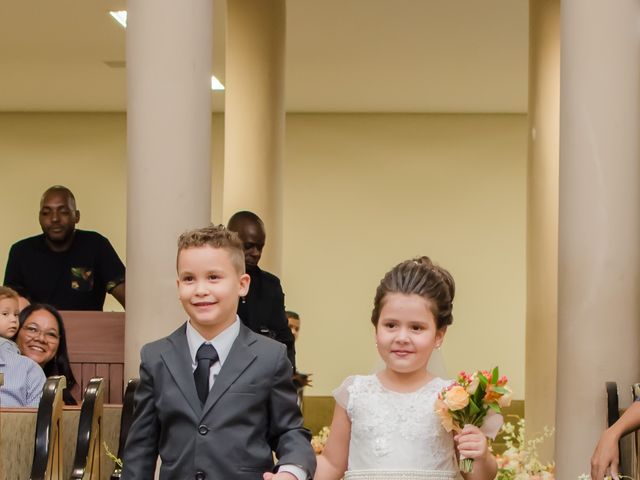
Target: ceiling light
(215, 83)
(120, 17)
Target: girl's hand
(471, 442)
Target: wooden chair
(86, 464)
(47, 450)
(125, 422)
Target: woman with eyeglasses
(42, 338)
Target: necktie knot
(206, 352)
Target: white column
(599, 228)
(169, 50)
(542, 220)
(254, 116)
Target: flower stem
(466, 465)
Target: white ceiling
(342, 55)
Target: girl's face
(406, 333)
(39, 337)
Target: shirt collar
(221, 342)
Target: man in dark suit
(262, 309)
(215, 398)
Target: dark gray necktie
(205, 357)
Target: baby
(8, 319)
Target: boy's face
(294, 326)
(209, 287)
(8, 317)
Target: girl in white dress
(384, 425)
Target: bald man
(262, 310)
(68, 268)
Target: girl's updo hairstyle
(419, 276)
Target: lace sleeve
(341, 394)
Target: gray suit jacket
(251, 410)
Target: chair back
(125, 422)
(86, 465)
(47, 449)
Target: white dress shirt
(222, 343)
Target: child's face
(209, 287)
(294, 326)
(8, 317)
(406, 333)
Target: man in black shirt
(68, 268)
(262, 310)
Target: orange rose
(456, 398)
(445, 415)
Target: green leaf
(501, 390)
(473, 408)
(495, 375)
(495, 407)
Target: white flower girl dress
(395, 436)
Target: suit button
(203, 430)
(200, 475)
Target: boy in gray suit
(215, 399)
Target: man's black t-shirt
(263, 309)
(77, 279)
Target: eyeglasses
(34, 331)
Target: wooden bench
(95, 341)
(17, 434)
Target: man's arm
(111, 270)
(280, 325)
(119, 292)
(290, 440)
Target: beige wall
(362, 192)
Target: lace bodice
(396, 432)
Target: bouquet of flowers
(474, 399)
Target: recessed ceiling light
(215, 83)
(120, 16)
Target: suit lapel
(178, 362)
(239, 358)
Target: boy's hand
(278, 476)
(471, 442)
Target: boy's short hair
(6, 292)
(216, 236)
(292, 314)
